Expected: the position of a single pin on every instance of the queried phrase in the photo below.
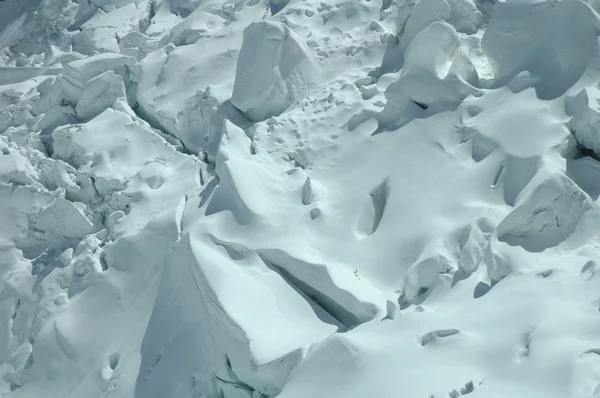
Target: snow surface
(299, 199)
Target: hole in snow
(277, 5)
(436, 335)
(467, 389)
(314, 213)
(113, 361)
(481, 290)
(473, 110)
(546, 273)
(421, 105)
(373, 210)
(103, 262)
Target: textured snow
(299, 199)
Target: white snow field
(299, 199)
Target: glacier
(299, 199)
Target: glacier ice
(260, 199)
(272, 75)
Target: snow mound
(274, 70)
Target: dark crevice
(421, 105)
(345, 318)
(581, 150)
(163, 133)
(236, 382)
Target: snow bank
(274, 70)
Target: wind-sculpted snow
(244, 199)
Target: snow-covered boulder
(274, 70)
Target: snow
(252, 199)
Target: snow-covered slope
(299, 199)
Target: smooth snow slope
(299, 199)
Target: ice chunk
(78, 73)
(216, 308)
(63, 219)
(273, 70)
(95, 40)
(585, 108)
(100, 93)
(546, 217)
(424, 13)
(55, 55)
(191, 109)
(540, 37)
(81, 71)
(436, 72)
(112, 144)
(16, 169)
(414, 16)
(55, 117)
